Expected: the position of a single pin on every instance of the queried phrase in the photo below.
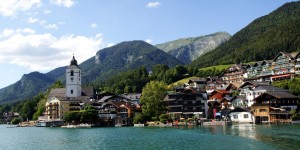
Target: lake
(213, 137)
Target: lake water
(213, 137)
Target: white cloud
(94, 25)
(153, 4)
(43, 52)
(47, 11)
(64, 3)
(12, 7)
(51, 26)
(110, 44)
(32, 20)
(149, 41)
(10, 32)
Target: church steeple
(73, 79)
(73, 61)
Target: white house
(241, 115)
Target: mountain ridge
(189, 49)
(262, 39)
(107, 62)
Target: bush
(163, 118)
(138, 119)
(16, 121)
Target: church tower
(73, 79)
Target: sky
(41, 35)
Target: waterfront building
(241, 115)
(119, 108)
(188, 103)
(274, 107)
(72, 98)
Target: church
(70, 98)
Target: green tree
(72, 117)
(152, 99)
(16, 121)
(138, 119)
(163, 118)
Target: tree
(152, 99)
(71, 117)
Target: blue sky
(40, 35)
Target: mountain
(29, 86)
(122, 57)
(262, 39)
(105, 64)
(189, 49)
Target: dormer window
(72, 73)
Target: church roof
(58, 92)
(73, 62)
(87, 91)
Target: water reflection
(280, 136)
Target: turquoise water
(215, 137)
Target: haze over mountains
(261, 39)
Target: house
(239, 101)
(234, 74)
(241, 115)
(274, 107)
(119, 108)
(214, 107)
(219, 94)
(253, 91)
(260, 71)
(198, 83)
(121, 112)
(191, 102)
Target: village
(242, 94)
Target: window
(72, 73)
(246, 116)
(262, 110)
(235, 116)
(71, 91)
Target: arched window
(71, 91)
(72, 73)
